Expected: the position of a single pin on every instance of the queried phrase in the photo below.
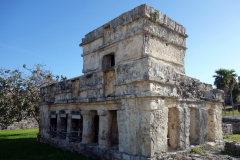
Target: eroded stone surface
(135, 100)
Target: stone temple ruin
(134, 100)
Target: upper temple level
(138, 54)
(140, 32)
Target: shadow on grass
(230, 153)
(30, 149)
(12, 135)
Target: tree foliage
(225, 80)
(236, 92)
(222, 79)
(20, 91)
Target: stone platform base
(95, 152)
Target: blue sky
(49, 32)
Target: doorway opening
(53, 124)
(114, 131)
(96, 128)
(77, 127)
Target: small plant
(197, 150)
(155, 17)
(204, 152)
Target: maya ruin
(134, 100)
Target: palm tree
(232, 77)
(225, 80)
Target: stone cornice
(136, 13)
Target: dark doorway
(96, 126)
(108, 61)
(77, 127)
(114, 135)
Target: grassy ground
(22, 145)
(234, 137)
(236, 113)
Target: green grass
(197, 150)
(22, 145)
(234, 137)
(236, 113)
(228, 107)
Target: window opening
(77, 127)
(112, 62)
(108, 61)
(53, 124)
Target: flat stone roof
(127, 17)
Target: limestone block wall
(234, 121)
(28, 123)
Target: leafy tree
(20, 92)
(225, 80)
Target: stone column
(44, 120)
(69, 122)
(58, 121)
(105, 123)
(58, 127)
(215, 123)
(178, 127)
(184, 125)
(198, 126)
(88, 126)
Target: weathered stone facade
(134, 99)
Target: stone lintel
(102, 112)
